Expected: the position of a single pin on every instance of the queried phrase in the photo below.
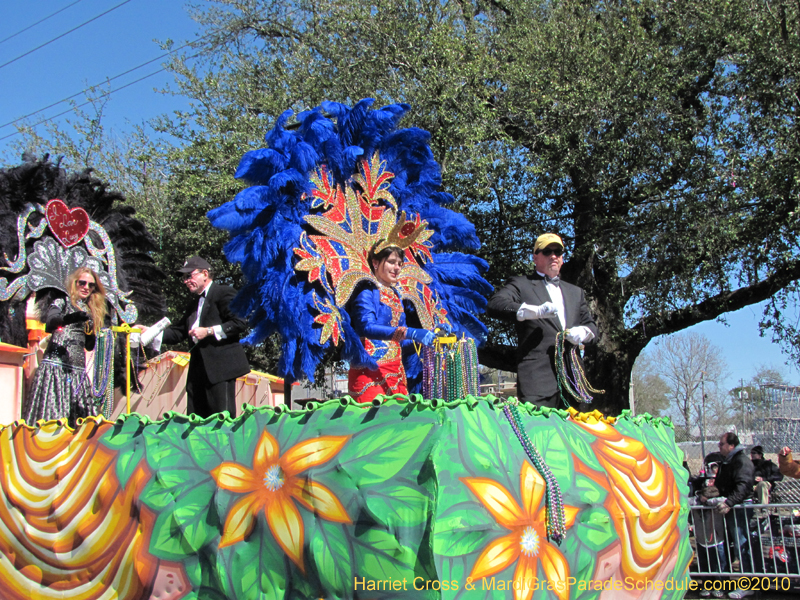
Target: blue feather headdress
(324, 194)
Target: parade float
(450, 496)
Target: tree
(660, 140)
(691, 366)
(651, 392)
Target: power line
(108, 93)
(13, 60)
(13, 35)
(108, 80)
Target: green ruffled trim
(415, 400)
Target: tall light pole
(703, 416)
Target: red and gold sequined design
(389, 378)
(386, 351)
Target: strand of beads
(450, 371)
(108, 406)
(554, 503)
(103, 363)
(427, 372)
(570, 375)
(578, 367)
(471, 368)
(564, 388)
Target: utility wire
(108, 93)
(84, 91)
(13, 60)
(13, 35)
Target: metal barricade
(751, 540)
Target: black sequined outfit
(60, 388)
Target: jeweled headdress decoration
(358, 218)
(402, 235)
(62, 245)
(324, 193)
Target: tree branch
(713, 307)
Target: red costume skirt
(388, 379)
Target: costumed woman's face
(388, 270)
(85, 284)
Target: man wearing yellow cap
(541, 305)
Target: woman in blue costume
(378, 317)
(61, 389)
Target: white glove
(579, 335)
(529, 312)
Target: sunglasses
(551, 251)
(90, 284)
(187, 276)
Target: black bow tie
(554, 280)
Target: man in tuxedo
(217, 357)
(540, 305)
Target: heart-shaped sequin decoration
(69, 226)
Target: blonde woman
(61, 388)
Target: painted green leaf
(487, 440)
(458, 542)
(243, 439)
(331, 553)
(595, 529)
(583, 574)
(166, 541)
(167, 449)
(456, 569)
(382, 452)
(207, 449)
(398, 505)
(123, 434)
(128, 461)
(257, 570)
(191, 514)
(580, 446)
(194, 571)
(588, 491)
(462, 530)
(166, 486)
(184, 527)
(380, 556)
(224, 577)
(554, 451)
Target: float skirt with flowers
(446, 499)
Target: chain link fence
(769, 417)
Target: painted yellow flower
(273, 484)
(527, 544)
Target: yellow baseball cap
(546, 239)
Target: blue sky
(127, 36)
(111, 44)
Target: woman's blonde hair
(96, 302)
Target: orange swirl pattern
(67, 529)
(644, 501)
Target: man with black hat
(217, 357)
(541, 305)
